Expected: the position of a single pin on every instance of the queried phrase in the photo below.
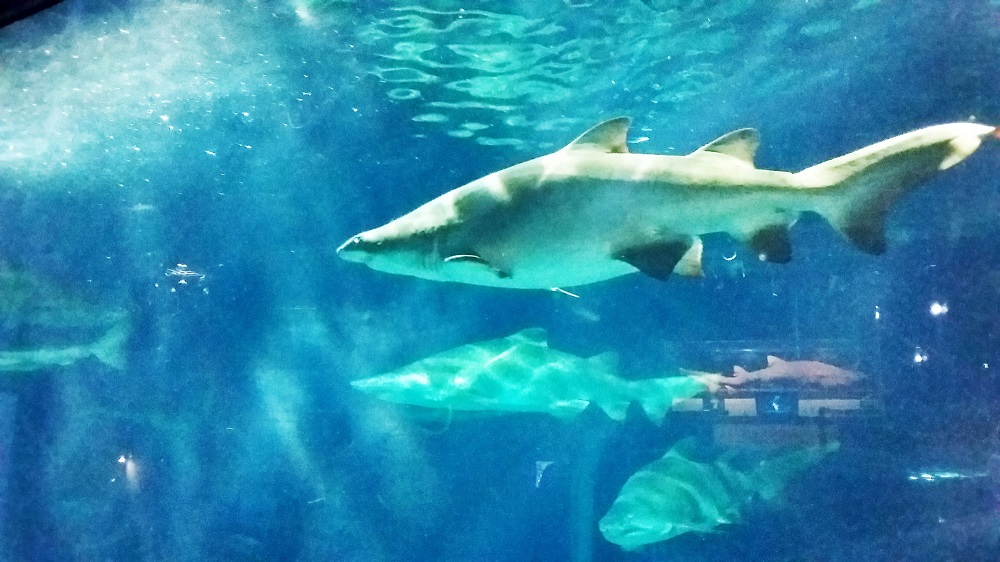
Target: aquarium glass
(445, 281)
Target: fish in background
(804, 372)
(43, 325)
(686, 491)
(594, 211)
(521, 373)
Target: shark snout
(354, 250)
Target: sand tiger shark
(806, 372)
(687, 491)
(521, 373)
(594, 210)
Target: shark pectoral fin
(656, 260)
(607, 136)
(740, 144)
(772, 244)
(475, 259)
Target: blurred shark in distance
(521, 373)
(593, 211)
(107, 350)
(688, 492)
(43, 325)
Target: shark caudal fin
(769, 477)
(110, 349)
(656, 396)
(862, 186)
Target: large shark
(521, 373)
(686, 491)
(594, 211)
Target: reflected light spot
(937, 309)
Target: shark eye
(356, 239)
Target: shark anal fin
(657, 259)
(772, 244)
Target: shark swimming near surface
(594, 211)
(521, 373)
(687, 491)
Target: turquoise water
(183, 173)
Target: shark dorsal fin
(740, 144)
(772, 360)
(686, 448)
(533, 335)
(607, 136)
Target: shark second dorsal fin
(740, 144)
(607, 361)
(772, 360)
(607, 136)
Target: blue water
(246, 140)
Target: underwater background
(195, 165)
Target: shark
(594, 210)
(109, 349)
(45, 325)
(521, 373)
(805, 372)
(689, 491)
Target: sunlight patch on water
(661, 57)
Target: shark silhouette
(521, 373)
(594, 211)
(686, 491)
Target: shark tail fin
(110, 349)
(864, 184)
(656, 396)
(770, 476)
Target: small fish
(183, 273)
(594, 211)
